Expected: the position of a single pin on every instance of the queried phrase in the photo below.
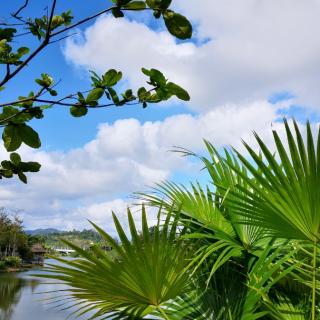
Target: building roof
(38, 248)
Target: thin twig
(47, 37)
(15, 15)
(62, 38)
(81, 22)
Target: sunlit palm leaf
(284, 197)
(149, 271)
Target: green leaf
(15, 158)
(178, 91)
(159, 4)
(146, 72)
(117, 13)
(78, 111)
(135, 5)
(7, 33)
(22, 51)
(178, 25)
(157, 76)
(111, 78)
(29, 136)
(22, 177)
(11, 138)
(6, 164)
(114, 96)
(95, 95)
(30, 166)
(7, 174)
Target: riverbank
(22, 268)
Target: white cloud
(256, 49)
(125, 156)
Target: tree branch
(15, 15)
(81, 21)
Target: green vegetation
(14, 243)
(45, 30)
(84, 239)
(245, 249)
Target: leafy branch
(104, 91)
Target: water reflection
(24, 297)
(10, 293)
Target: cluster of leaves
(177, 24)
(251, 245)
(103, 86)
(15, 166)
(39, 26)
(16, 114)
(6, 55)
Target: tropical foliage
(244, 247)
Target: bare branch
(15, 15)
(47, 38)
(62, 38)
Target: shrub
(2, 265)
(12, 261)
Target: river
(23, 297)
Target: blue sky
(243, 72)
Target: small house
(38, 252)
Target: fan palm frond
(148, 271)
(284, 195)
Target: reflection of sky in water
(25, 298)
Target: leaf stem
(163, 313)
(314, 274)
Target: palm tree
(284, 195)
(244, 248)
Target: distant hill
(42, 232)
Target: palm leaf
(148, 272)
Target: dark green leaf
(117, 13)
(22, 177)
(30, 166)
(78, 111)
(114, 96)
(135, 5)
(7, 33)
(29, 136)
(11, 138)
(159, 4)
(178, 25)
(6, 164)
(15, 158)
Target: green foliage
(262, 208)
(148, 272)
(3, 266)
(12, 261)
(50, 28)
(238, 261)
(13, 240)
(177, 25)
